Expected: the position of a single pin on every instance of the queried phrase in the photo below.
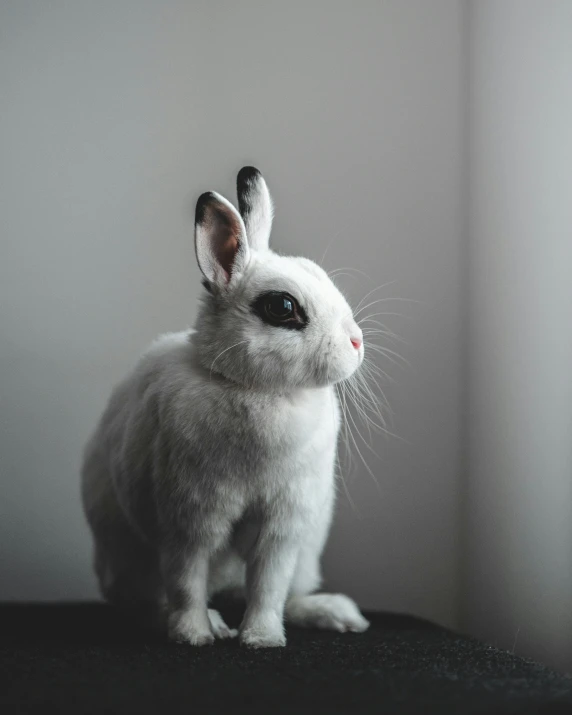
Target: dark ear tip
(202, 202)
(247, 174)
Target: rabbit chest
(253, 452)
(249, 435)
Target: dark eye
(280, 309)
(279, 306)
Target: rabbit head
(266, 320)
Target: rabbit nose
(356, 336)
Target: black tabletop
(85, 658)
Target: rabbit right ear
(255, 206)
(220, 239)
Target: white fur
(332, 611)
(212, 467)
(259, 220)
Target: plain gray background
(424, 143)
(517, 515)
(115, 116)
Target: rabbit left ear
(255, 206)
(220, 239)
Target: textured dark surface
(84, 659)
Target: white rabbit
(212, 467)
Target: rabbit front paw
(190, 627)
(262, 631)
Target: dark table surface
(85, 658)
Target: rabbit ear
(220, 239)
(255, 206)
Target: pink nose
(356, 342)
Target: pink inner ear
(226, 250)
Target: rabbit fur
(212, 467)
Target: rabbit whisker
(222, 353)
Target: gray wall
(115, 116)
(518, 511)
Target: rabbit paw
(262, 632)
(219, 627)
(329, 611)
(190, 627)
